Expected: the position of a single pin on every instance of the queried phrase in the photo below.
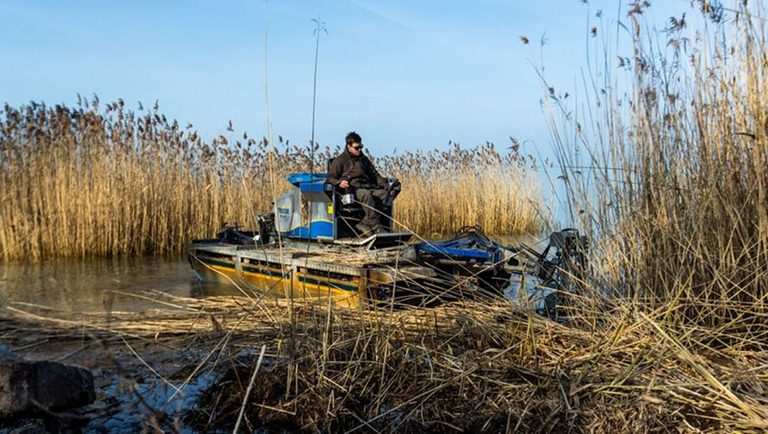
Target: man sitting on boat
(353, 172)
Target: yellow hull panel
(279, 284)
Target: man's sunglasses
(356, 147)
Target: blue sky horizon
(405, 75)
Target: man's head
(354, 143)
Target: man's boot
(363, 229)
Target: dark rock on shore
(29, 387)
(30, 426)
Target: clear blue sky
(404, 74)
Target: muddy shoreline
(134, 383)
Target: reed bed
(103, 180)
(678, 200)
(674, 195)
(458, 187)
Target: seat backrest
(328, 167)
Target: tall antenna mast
(319, 28)
(266, 72)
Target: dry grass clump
(101, 181)
(462, 366)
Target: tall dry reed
(679, 198)
(96, 181)
(664, 156)
(446, 190)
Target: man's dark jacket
(359, 171)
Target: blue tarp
(469, 247)
(306, 178)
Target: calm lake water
(91, 285)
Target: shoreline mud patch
(218, 405)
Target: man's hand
(344, 184)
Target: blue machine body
(472, 247)
(306, 211)
(312, 210)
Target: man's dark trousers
(372, 201)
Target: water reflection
(100, 284)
